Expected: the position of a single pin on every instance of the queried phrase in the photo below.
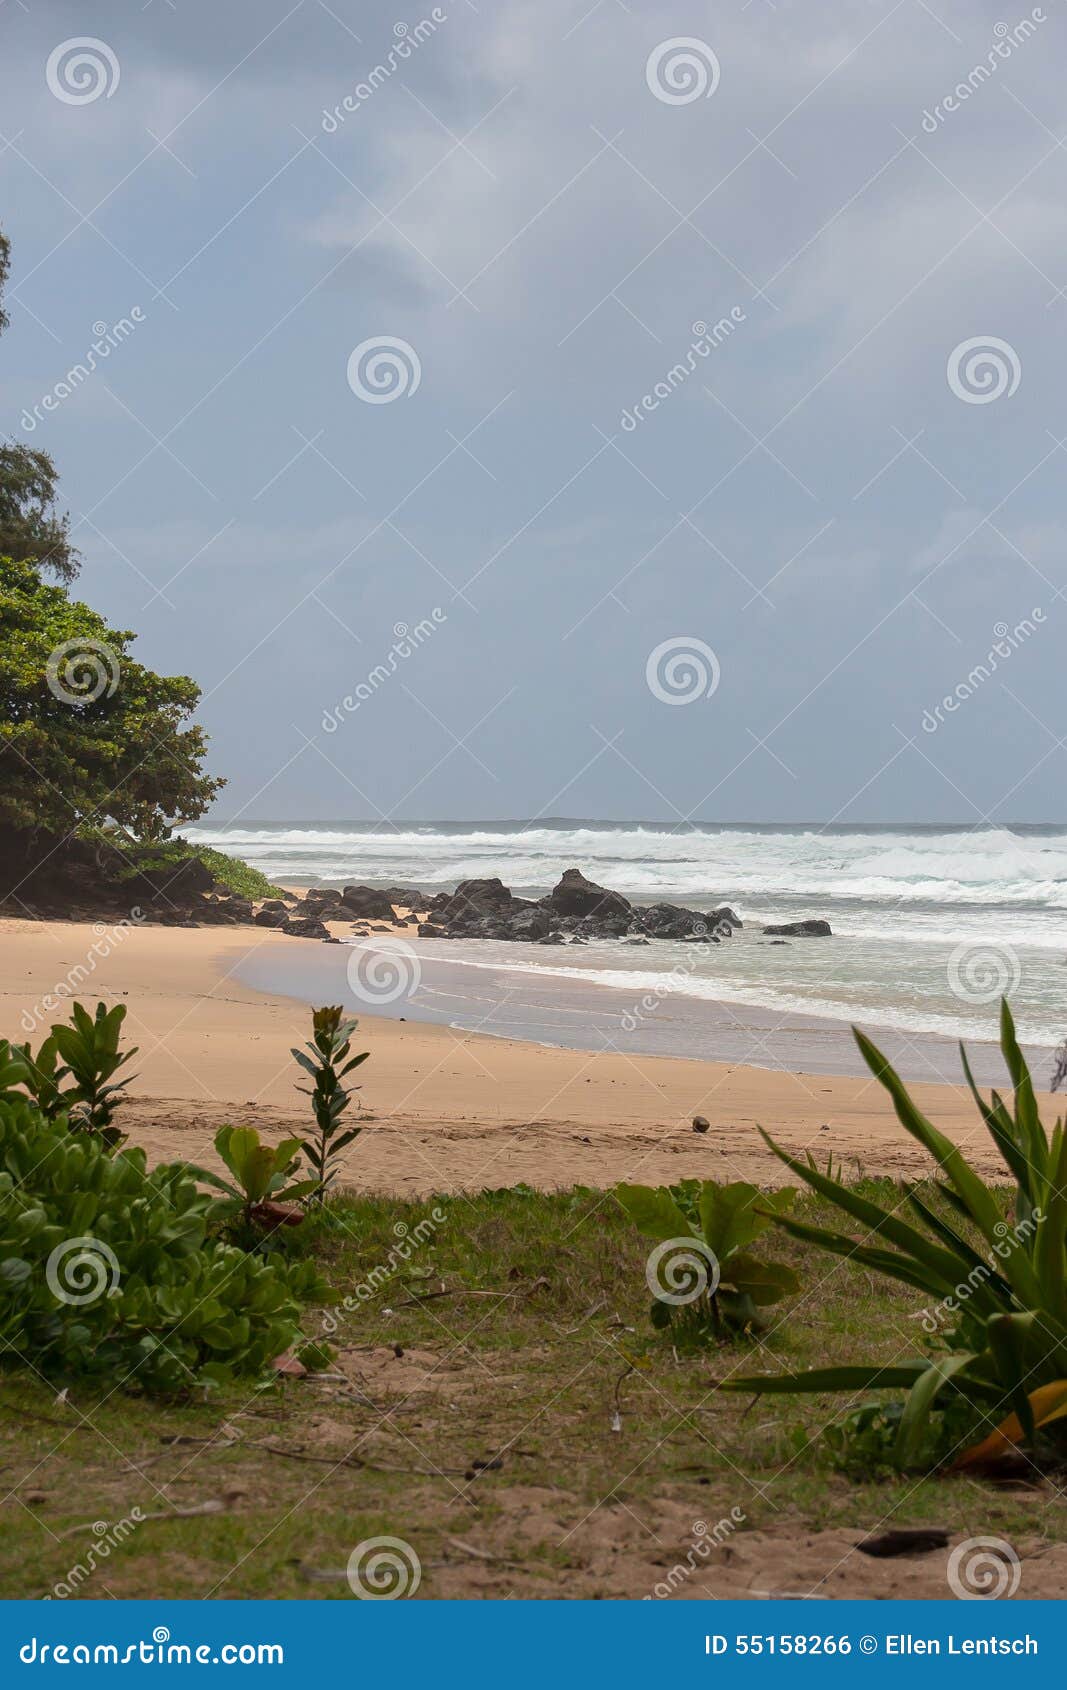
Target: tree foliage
(31, 529)
(86, 732)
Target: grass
(239, 876)
(231, 872)
(473, 1420)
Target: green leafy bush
(704, 1280)
(327, 1060)
(109, 1269)
(260, 1172)
(998, 1282)
(91, 1058)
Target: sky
(709, 436)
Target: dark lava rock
(700, 1123)
(670, 921)
(723, 918)
(408, 896)
(476, 898)
(575, 895)
(530, 924)
(801, 929)
(175, 882)
(305, 927)
(427, 930)
(365, 902)
(322, 895)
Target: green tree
(31, 528)
(87, 734)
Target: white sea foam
(899, 899)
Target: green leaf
(919, 1402)
(653, 1211)
(828, 1379)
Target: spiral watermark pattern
(81, 671)
(384, 972)
(383, 1569)
(983, 369)
(82, 69)
(384, 368)
(81, 1271)
(680, 1270)
(681, 670)
(682, 70)
(980, 973)
(982, 1569)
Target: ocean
(931, 922)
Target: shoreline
(577, 1012)
(445, 1108)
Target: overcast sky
(829, 504)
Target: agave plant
(1002, 1282)
(704, 1280)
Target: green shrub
(91, 1059)
(704, 1280)
(998, 1320)
(327, 1060)
(260, 1172)
(109, 1269)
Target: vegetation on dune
(517, 1314)
(326, 1059)
(704, 1279)
(996, 1367)
(129, 857)
(108, 1269)
(86, 1053)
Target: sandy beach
(443, 1108)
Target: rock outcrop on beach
(801, 930)
(576, 910)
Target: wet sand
(446, 1108)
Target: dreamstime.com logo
(383, 1569)
(82, 1270)
(705, 340)
(82, 69)
(105, 941)
(682, 70)
(983, 1569)
(407, 38)
(81, 671)
(681, 670)
(383, 972)
(1006, 40)
(155, 1651)
(704, 1539)
(106, 1538)
(982, 369)
(409, 1239)
(1009, 1239)
(1006, 641)
(107, 337)
(680, 1270)
(384, 368)
(982, 973)
(407, 639)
